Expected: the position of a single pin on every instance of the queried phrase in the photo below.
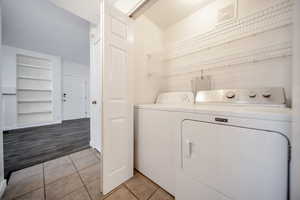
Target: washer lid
(175, 98)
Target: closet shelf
(34, 101)
(35, 112)
(38, 90)
(33, 78)
(33, 66)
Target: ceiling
(165, 13)
(127, 6)
(88, 11)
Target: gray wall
(38, 25)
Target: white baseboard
(2, 187)
(94, 146)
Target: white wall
(252, 52)
(147, 60)
(2, 181)
(9, 83)
(81, 72)
(205, 19)
(39, 25)
(295, 175)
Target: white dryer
(234, 145)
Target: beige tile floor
(76, 177)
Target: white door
(117, 138)
(74, 98)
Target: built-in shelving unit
(31, 89)
(35, 112)
(34, 101)
(34, 90)
(34, 66)
(32, 78)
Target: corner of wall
(295, 172)
(2, 180)
(147, 65)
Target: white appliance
(155, 145)
(235, 146)
(231, 144)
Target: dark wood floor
(27, 147)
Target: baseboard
(32, 125)
(2, 187)
(94, 146)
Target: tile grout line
(44, 182)
(21, 195)
(72, 190)
(158, 187)
(28, 192)
(127, 188)
(112, 192)
(77, 171)
(153, 193)
(68, 176)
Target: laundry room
(230, 62)
(187, 100)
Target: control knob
(266, 94)
(252, 94)
(230, 95)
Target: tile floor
(76, 177)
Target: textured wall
(252, 51)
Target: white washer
(155, 145)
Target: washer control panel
(266, 96)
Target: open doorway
(73, 173)
(45, 83)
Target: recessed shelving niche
(34, 90)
